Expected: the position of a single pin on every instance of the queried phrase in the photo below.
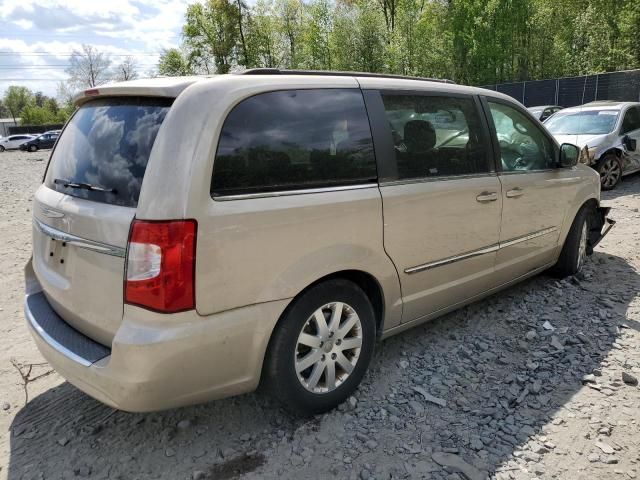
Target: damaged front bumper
(600, 225)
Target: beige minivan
(196, 237)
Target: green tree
(172, 63)
(263, 37)
(211, 32)
(4, 111)
(16, 98)
(290, 16)
(315, 40)
(370, 38)
(469, 41)
(43, 110)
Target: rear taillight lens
(161, 259)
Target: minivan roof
(171, 87)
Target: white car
(607, 133)
(13, 142)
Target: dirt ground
(534, 382)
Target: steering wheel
(521, 163)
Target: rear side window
(435, 136)
(103, 152)
(295, 139)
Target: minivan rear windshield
(106, 146)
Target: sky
(38, 36)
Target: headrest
(419, 136)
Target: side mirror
(629, 143)
(568, 155)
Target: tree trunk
(242, 40)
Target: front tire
(575, 248)
(33, 148)
(610, 170)
(1, 149)
(321, 348)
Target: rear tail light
(161, 259)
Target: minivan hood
(581, 140)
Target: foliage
(173, 63)
(469, 41)
(34, 108)
(16, 98)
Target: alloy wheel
(328, 347)
(610, 172)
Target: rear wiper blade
(83, 185)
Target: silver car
(13, 142)
(195, 237)
(606, 132)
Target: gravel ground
(539, 381)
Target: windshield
(591, 122)
(107, 144)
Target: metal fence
(34, 128)
(572, 91)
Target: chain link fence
(572, 91)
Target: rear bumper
(159, 361)
(600, 225)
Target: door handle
(515, 193)
(485, 197)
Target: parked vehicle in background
(544, 112)
(263, 255)
(13, 142)
(607, 133)
(41, 142)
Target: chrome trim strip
(444, 178)
(524, 172)
(78, 241)
(456, 258)
(286, 193)
(481, 251)
(530, 236)
(52, 342)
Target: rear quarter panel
(251, 251)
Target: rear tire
(610, 170)
(321, 348)
(1, 149)
(575, 248)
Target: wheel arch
(613, 150)
(365, 280)
(591, 203)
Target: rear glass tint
(106, 145)
(294, 139)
